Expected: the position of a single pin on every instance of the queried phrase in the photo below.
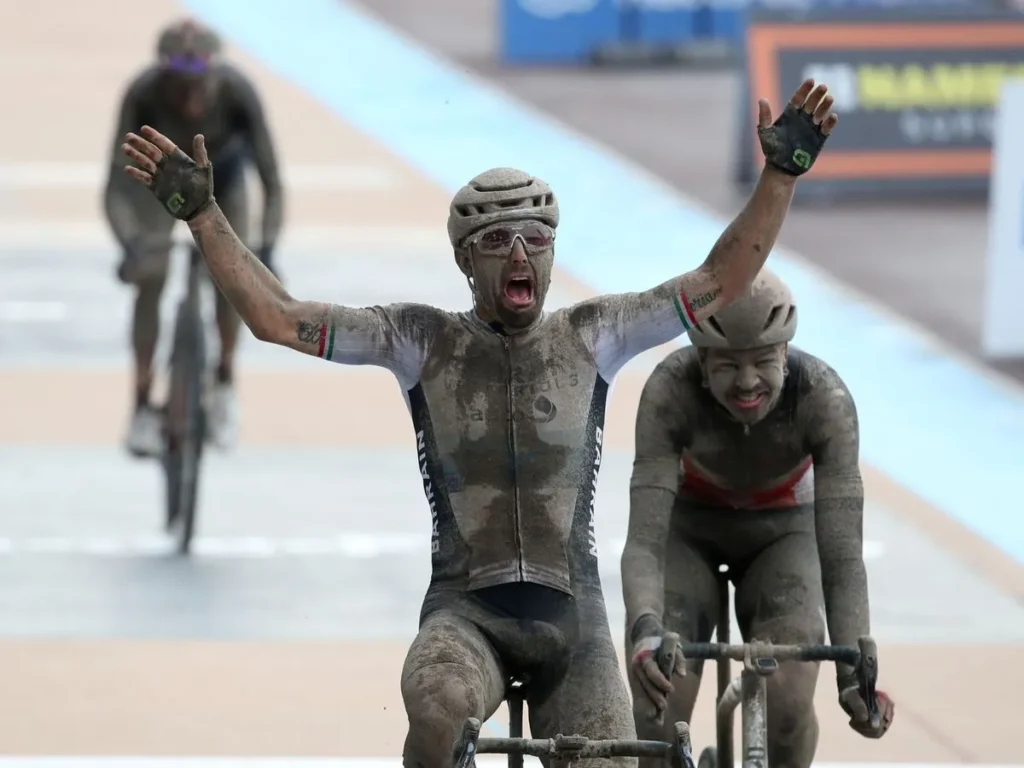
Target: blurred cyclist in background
(187, 90)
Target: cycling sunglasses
(188, 65)
(499, 238)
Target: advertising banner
(1003, 327)
(915, 94)
(556, 31)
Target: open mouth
(748, 402)
(519, 291)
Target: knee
(148, 292)
(791, 700)
(438, 699)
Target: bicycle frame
(190, 304)
(184, 413)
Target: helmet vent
(772, 317)
(789, 315)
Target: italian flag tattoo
(326, 341)
(684, 311)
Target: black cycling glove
(792, 143)
(184, 188)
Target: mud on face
(748, 382)
(511, 286)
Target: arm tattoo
(318, 331)
(310, 333)
(704, 299)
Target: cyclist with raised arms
(187, 90)
(508, 405)
(747, 456)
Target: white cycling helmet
(765, 315)
(500, 194)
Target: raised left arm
(631, 323)
(739, 253)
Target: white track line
(328, 762)
(85, 176)
(355, 546)
(76, 236)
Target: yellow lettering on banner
(957, 84)
(916, 86)
(939, 86)
(876, 86)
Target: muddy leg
(451, 672)
(779, 600)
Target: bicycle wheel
(185, 426)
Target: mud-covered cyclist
(508, 406)
(747, 456)
(189, 89)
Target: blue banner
(556, 31)
(571, 31)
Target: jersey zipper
(512, 447)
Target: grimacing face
(510, 264)
(748, 382)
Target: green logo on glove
(802, 159)
(175, 202)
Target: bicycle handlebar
(578, 747)
(839, 653)
(468, 744)
(863, 658)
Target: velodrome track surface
(284, 635)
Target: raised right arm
(661, 435)
(383, 336)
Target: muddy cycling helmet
(187, 45)
(500, 194)
(765, 315)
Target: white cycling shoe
(223, 417)
(145, 433)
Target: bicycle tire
(185, 426)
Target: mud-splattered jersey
(690, 444)
(689, 449)
(508, 427)
(234, 128)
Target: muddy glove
(182, 185)
(792, 143)
(655, 660)
(861, 720)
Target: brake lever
(464, 748)
(665, 658)
(867, 676)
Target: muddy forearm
(660, 435)
(843, 575)
(250, 287)
(741, 251)
(643, 559)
